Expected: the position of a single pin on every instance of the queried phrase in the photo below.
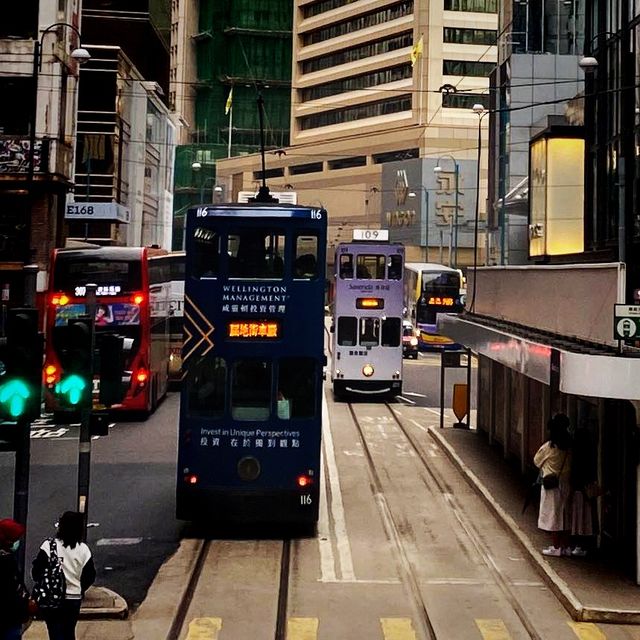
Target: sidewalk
(589, 590)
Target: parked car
(409, 341)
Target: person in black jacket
(79, 572)
(14, 597)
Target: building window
(395, 156)
(323, 6)
(16, 105)
(299, 169)
(355, 83)
(348, 163)
(479, 6)
(269, 173)
(352, 54)
(469, 36)
(20, 22)
(467, 68)
(358, 112)
(364, 21)
(464, 100)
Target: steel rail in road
(468, 527)
(177, 625)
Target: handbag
(552, 480)
(49, 592)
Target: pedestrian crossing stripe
(587, 631)
(204, 629)
(493, 629)
(302, 628)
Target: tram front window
(347, 331)
(306, 262)
(251, 390)
(296, 388)
(370, 267)
(391, 332)
(346, 266)
(206, 385)
(256, 253)
(369, 332)
(395, 267)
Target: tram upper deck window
(369, 332)
(251, 390)
(391, 332)
(347, 331)
(206, 260)
(395, 267)
(370, 267)
(296, 388)
(206, 387)
(256, 254)
(305, 265)
(346, 266)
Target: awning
(585, 374)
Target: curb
(107, 604)
(558, 586)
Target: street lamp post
(438, 169)
(81, 56)
(481, 112)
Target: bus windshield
(113, 277)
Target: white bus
(367, 319)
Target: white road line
(327, 561)
(415, 394)
(421, 427)
(118, 542)
(405, 399)
(337, 507)
(364, 581)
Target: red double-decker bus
(132, 302)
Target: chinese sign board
(626, 322)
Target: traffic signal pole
(84, 444)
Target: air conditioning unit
(284, 197)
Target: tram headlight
(414, 341)
(367, 370)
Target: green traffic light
(73, 386)
(15, 393)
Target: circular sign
(626, 328)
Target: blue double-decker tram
(253, 356)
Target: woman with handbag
(77, 565)
(553, 459)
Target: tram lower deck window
(251, 390)
(206, 383)
(369, 332)
(347, 331)
(296, 388)
(391, 332)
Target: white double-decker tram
(367, 319)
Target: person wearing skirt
(554, 458)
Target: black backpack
(49, 592)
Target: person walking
(79, 572)
(14, 597)
(553, 459)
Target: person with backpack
(62, 571)
(14, 597)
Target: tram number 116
(305, 499)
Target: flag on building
(227, 106)
(416, 51)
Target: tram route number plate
(305, 499)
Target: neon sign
(268, 330)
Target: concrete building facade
(377, 82)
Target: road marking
(421, 427)
(204, 629)
(41, 433)
(587, 631)
(337, 507)
(493, 629)
(118, 542)
(327, 563)
(302, 628)
(405, 399)
(413, 393)
(364, 581)
(397, 629)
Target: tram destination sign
(626, 322)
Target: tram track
(179, 626)
(409, 575)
